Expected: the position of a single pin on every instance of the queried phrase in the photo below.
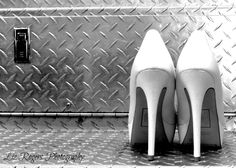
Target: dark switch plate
(21, 45)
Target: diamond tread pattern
(101, 141)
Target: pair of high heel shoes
(153, 81)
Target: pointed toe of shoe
(153, 54)
(197, 54)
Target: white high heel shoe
(152, 84)
(199, 92)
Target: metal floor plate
(93, 141)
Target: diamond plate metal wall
(106, 3)
(81, 56)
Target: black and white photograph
(117, 83)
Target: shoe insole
(140, 124)
(210, 133)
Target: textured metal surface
(101, 141)
(105, 3)
(63, 123)
(76, 122)
(81, 56)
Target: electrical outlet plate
(21, 45)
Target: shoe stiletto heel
(151, 113)
(199, 91)
(195, 85)
(152, 89)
